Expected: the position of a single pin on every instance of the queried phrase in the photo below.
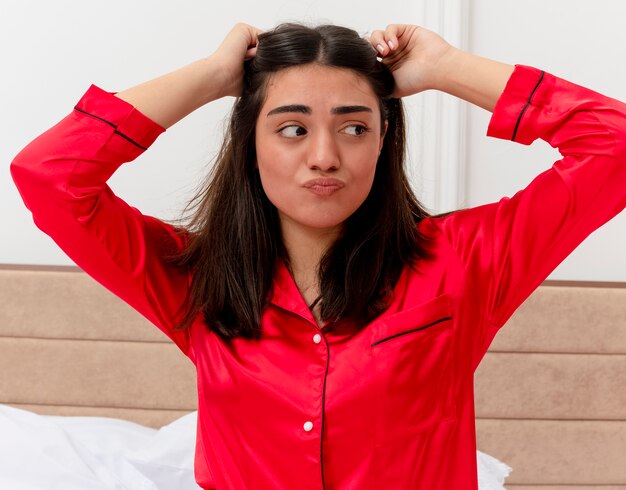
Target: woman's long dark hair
(234, 234)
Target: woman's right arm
(171, 97)
(62, 175)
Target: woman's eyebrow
(349, 109)
(305, 109)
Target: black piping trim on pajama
(530, 98)
(323, 415)
(113, 126)
(431, 324)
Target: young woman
(334, 325)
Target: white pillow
(138, 455)
(491, 472)
(36, 454)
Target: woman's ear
(382, 136)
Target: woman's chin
(330, 224)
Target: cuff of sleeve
(515, 103)
(128, 122)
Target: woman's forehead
(318, 85)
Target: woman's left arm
(509, 247)
(422, 60)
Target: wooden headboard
(70, 347)
(551, 390)
(550, 393)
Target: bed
(93, 396)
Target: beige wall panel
(545, 452)
(551, 386)
(564, 487)
(151, 418)
(567, 319)
(88, 373)
(71, 305)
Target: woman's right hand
(239, 45)
(172, 96)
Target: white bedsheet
(94, 453)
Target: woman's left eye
(356, 129)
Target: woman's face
(318, 137)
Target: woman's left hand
(420, 60)
(417, 57)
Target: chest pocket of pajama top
(412, 362)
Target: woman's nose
(323, 152)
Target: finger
(255, 34)
(252, 34)
(250, 53)
(254, 44)
(378, 42)
(247, 33)
(391, 35)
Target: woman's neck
(305, 247)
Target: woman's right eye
(292, 131)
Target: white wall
(52, 51)
(579, 40)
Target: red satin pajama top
(304, 408)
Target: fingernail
(380, 48)
(390, 44)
